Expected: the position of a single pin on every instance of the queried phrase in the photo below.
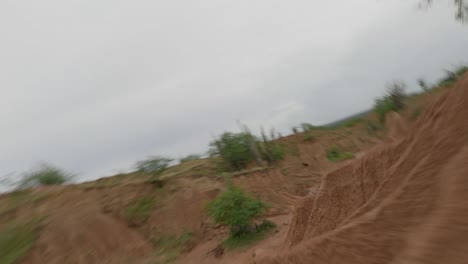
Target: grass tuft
(16, 239)
(336, 154)
(138, 212)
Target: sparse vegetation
(423, 84)
(277, 152)
(336, 154)
(248, 239)
(46, 174)
(373, 127)
(153, 165)
(352, 122)
(393, 100)
(308, 137)
(139, 211)
(190, 158)
(171, 246)
(307, 127)
(270, 151)
(452, 75)
(236, 209)
(16, 239)
(19, 198)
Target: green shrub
(393, 100)
(234, 149)
(153, 165)
(190, 158)
(139, 211)
(336, 154)
(451, 76)
(236, 209)
(272, 152)
(46, 174)
(382, 107)
(278, 152)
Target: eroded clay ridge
(404, 202)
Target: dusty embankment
(404, 202)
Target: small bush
(424, 86)
(396, 94)
(272, 152)
(236, 209)
(138, 212)
(382, 107)
(336, 154)
(153, 165)
(234, 149)
(269, 150)
(190, 158)
(393, 100)
(45, 175)
(278, 152)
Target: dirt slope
(404, 202)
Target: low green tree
(236, 209)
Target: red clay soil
(406, 201)
(77, 230)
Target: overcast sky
(92, 86)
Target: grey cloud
(94, 86)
